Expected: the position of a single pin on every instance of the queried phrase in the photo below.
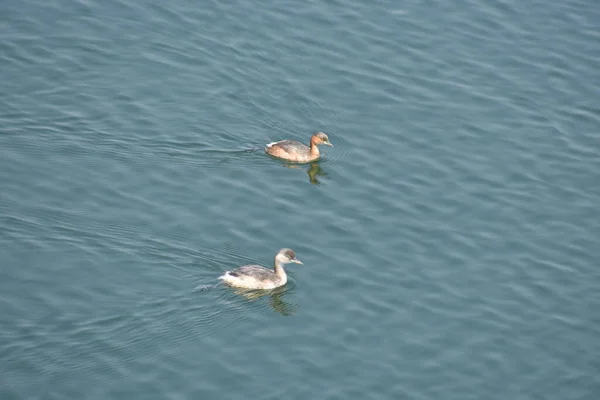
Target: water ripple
(449, 249)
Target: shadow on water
(276, 298)
(313, 171)
(238, 158)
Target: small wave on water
(306, 112)
(211, 157)
(241, 144)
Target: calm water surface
(449, 239)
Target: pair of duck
(259, 277)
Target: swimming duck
(259, 277)
(292, 150)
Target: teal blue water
(449, 239)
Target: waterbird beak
(329, 144)
(295, 260)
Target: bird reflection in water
(313, 171)
(276, 300)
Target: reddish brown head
(320, 138)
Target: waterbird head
(321, 138)
(287, 256)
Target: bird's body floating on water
(258, 277)
(292, 150)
